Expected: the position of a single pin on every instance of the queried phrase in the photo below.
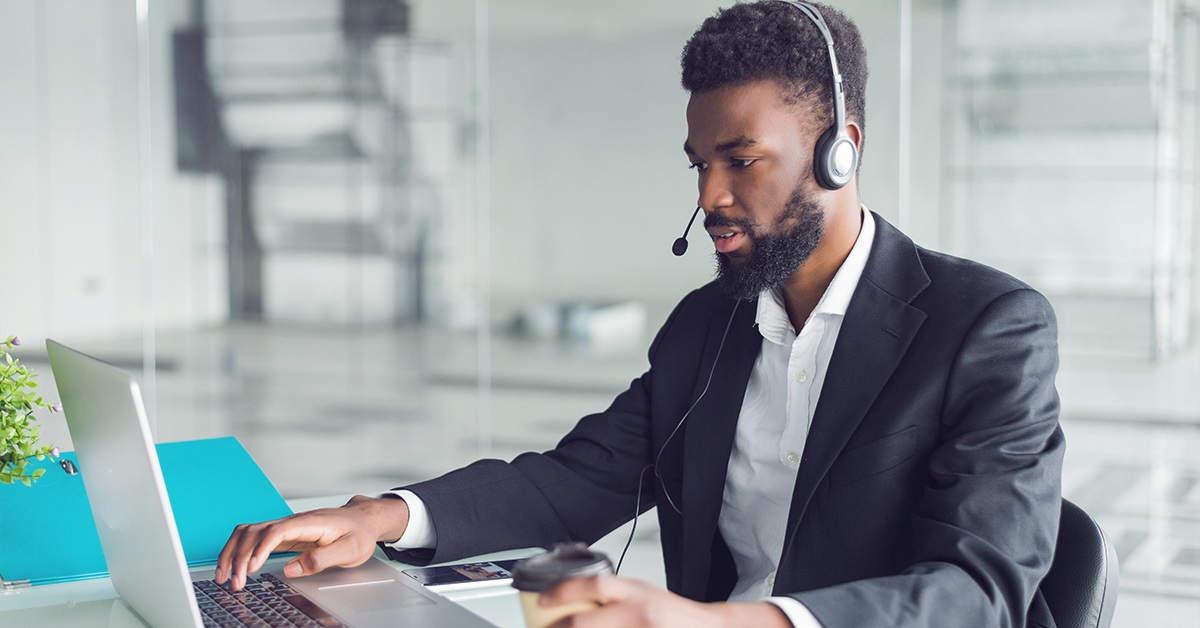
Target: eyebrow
(723, 147)
(740, 142)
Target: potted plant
(18, 425)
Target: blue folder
(47, 533)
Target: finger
(612, 615)
(347, 551)
(243, 548)
(285, 535)
(225, 558)
(629, 603)
(604, 588)
(256, 542)
(598, 617)
(232, 560)
(296, 546)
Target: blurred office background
(376, 239)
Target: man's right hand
(329, 537)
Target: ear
(855, 133)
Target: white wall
(70, 220)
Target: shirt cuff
(796, 612)
(419, 534)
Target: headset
(835, 156)
(835, 159)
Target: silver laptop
(119, 465)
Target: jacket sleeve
(581, 490)
(985, 526)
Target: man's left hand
(629, 603)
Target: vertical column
(483, 231)
(904, 176)
(146, 188)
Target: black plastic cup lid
(564, 562)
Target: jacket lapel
(875, 334)
(709, 434)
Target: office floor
(332, 411)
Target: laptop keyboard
(265, 602)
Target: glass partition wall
(190, 184)
(377, 239)
(1070, 161)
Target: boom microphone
(680, 246)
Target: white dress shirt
(777, 410)
(772, 428)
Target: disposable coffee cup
(541, 573)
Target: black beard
(774, 256)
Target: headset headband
(839, 100)
(836, 156)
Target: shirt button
(793, 459)
(771, 580)
(802, 377)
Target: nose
(714, 191)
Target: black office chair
(1081, 588)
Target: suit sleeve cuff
(420, 533)
(796, 612)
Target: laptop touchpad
(366, 597)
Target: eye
(741, 163)
(698, 166)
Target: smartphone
(463, 575)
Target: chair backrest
(1081, 587)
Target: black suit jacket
(929, 489)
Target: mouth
(725, 239)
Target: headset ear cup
(825, 158)
(822, 160)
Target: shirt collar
(772, 319)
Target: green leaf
(26, 481)
(37, 473)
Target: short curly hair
(772, 40)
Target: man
(843, 430)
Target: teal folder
(47, 533)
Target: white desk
(95, 604)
